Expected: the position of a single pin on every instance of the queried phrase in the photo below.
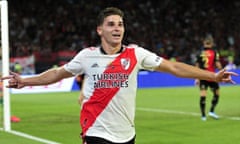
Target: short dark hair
(107, 12)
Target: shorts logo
(125, 63)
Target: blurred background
(48, 33)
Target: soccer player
(208, 59)
(110, 82)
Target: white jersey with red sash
(110, 85)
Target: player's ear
(99, 30)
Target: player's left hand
(225, 76)
(14, 80)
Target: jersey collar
(103, 51)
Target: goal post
(5, 71)
(5, 64)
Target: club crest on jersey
(125, 63)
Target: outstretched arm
(187, 71)
(48, 77)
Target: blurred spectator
(230, 65)
(18, 68)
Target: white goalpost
(5, 64)
(5, 72)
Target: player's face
(112, 30)
(208, 45)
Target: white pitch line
(180, 112)
(31, 137)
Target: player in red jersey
(208, 59)
(110, 80)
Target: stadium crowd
(172, 29)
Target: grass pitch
(163, 116)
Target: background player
(208, 59)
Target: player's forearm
(48, 77)
(188, 71)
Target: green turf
(55, 116)
(7, 138)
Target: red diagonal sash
(124, 63)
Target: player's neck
(109, 50)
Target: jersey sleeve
(75, 66)
(149, 60)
